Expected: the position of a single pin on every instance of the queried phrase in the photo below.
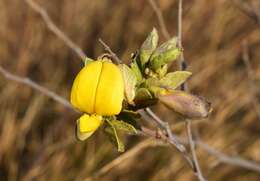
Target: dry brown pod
(188, 105)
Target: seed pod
(98, 88)
(188, 105)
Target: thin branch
(52, 27)
(108, 49)
(169, 138)
(165, 126)
(32, 84)
(250, 73)
(160, 18)
(181, 62)
(231, 160)
(193, 152)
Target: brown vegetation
(221, 39)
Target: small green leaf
(138, 74)
(143, 94)
(148, 46)
(131, 113)
(164, 54)
(121, 125)
(144, 98)
(162, 71)
(175, 79)
(130, 82)
(129, 117)
(113, 135)
(87, 61)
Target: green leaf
(162, 71)
(144, 98)
(175, 79)
(137, 71)
(131, 113)
(148, 46)
(130, 117)
(113, 135)
(123, 126)
(130, 82)
(87, 61)
(164, 54)
(143, 94)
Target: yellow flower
(98, 89)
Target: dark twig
(165, 126)
(108, 49)
(30, 83)
(160, 18)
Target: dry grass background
(36, 133)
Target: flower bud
(188, 105)
(98, 88)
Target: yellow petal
(82, 136)
(84, 87)
(110, 90)
(89, 123)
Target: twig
(251, 77)
(52, 27)
(160, 18)
(182, 66)
(165, 126)
(193, 152)
(181, 62)
(231, 160)
(172, 140)
(107, 48)
(30, 83)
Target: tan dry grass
(36, 132)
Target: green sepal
(112, 133)
(87, 61)
(130, 117)
(173, 80)
(123, 126)
(164, 54)
(148, 46)
(130, 81)
(137, 71)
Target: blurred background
(221, 41)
